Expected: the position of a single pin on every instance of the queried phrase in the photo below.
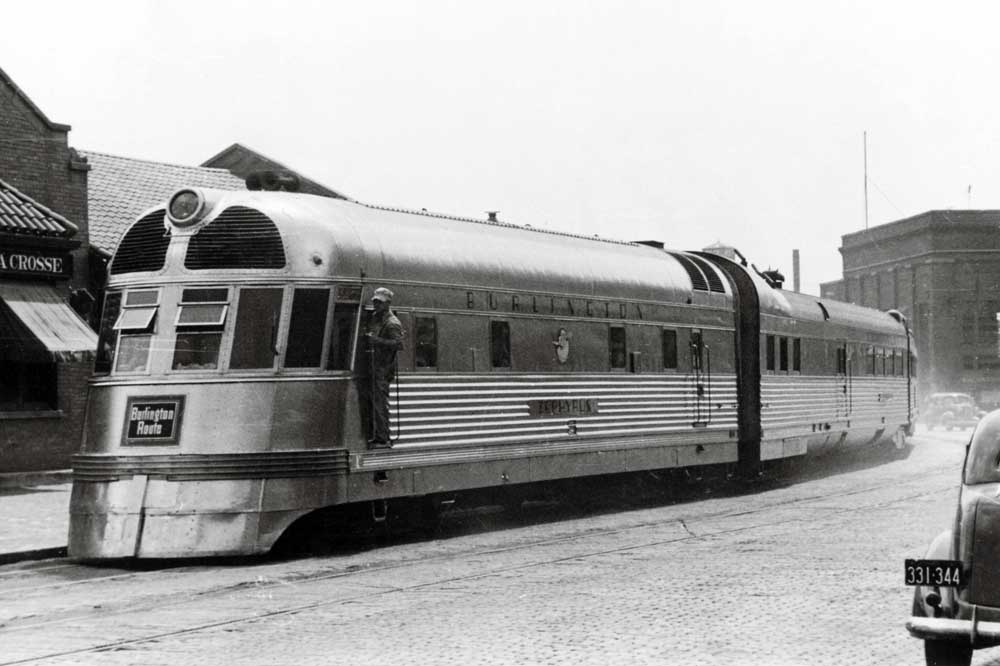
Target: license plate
(943, 573)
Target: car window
(982, 462)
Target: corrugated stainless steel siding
(805, 399)
(462, 410)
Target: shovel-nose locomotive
(226, 403)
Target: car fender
(941, 548)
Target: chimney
(795, 270)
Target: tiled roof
(120, 188)
(20, 214)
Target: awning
(37, 324)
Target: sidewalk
(34, 515)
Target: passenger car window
(500, 344)
(616, 346)
(426, 342)
(769, 353)
(669, 349)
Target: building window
(28, 386)
(797, 354)
(135, 325)
(616, 346)
(425, 352)
(669, 344)
(255, 339)
(306, 328)
(769, 353)
(500, 344)
(783, 354)
(201, 316)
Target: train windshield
(244, 328)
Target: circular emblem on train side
(561, 343)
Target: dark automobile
(956, 603)
(950, 410)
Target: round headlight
(185, 207)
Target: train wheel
(947, 653)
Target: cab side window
(255, 338)
(109, 336)
(135, 326)
(306, 328)
(201, 317)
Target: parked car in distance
(956, 601)
(950, 410)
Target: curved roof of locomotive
(803, 307)
(807, 307)
(355, 239)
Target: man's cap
(382, 294)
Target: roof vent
(714, 281)
(491, 215)
(698, 280)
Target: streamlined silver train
(225, 403)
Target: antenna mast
(866, 178)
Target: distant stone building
(941, 269)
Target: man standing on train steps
(385, 339)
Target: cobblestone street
(805, 572)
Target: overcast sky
(686, 122)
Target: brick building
(942, 270)
(46, 348)
(62, 213)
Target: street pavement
(34, 515)
(804, 572)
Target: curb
(38, 478)
(39, 554)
